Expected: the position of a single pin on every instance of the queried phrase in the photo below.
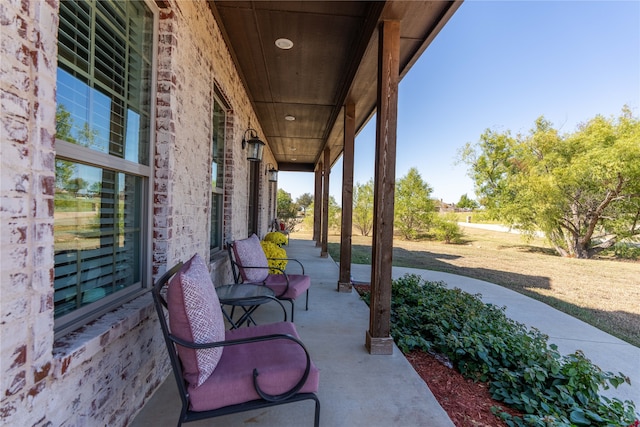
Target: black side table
(248, 296)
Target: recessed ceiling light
(293, 148)
(293, 159)
(285, 44)
(289, 117)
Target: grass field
(603, 293)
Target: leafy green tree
(64, 169)
(95, 188)
(304, 201)
(363, 207)
(286, 208)
(334, 216)
(335, 213)
(76, 185)
(466, 203)
(446, 228)
(414, 208)
(582, 189)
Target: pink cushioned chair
(222, 372)
(250, 265)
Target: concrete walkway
(568, 333)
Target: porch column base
(324, 254)
(345, 287)
(379, 345)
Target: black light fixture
(272, 172)
(255, 145)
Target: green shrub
(624, 250)
(446, 228)
(522, 369)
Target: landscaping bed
(501, 367)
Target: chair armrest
(290, 259)
(282, 272)
(268, 397)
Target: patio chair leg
(317, 417)
(307, 300)
(292, 309)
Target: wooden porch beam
(344, 281)
(324, 251)
(378, 339)
(317, 205)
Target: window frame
(65, 150)
(218, 191)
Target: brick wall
(103, 373)
(27, 95)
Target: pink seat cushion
(298, 284)
(248, 253)
(280, 363)
(195, 316)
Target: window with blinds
(103, 140)
(218, 126)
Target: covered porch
(356, 388)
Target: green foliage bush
(446, 228)
(625, 250)
(276, 257)
(522, 369)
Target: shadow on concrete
(438, 262)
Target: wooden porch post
(378, 339)
(344, 282)
(324, 251)
(317, 205)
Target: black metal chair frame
(237, 277)
(266, 400)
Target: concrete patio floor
(356, 388)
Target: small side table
(248, 296)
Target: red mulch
(467, 403)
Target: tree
(363, 207)
(335, 213)
(287, 210)
(76, 185)
(334, 216)
(582, 190)
(304, 201)
(65, 170)
(466, 203)
(446, 228)
(414, 209)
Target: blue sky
(501, 65)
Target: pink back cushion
(248, 252)
(195, 315)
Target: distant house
(444, 207)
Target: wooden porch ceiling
(333, 61)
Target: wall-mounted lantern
(254, 145)
(271, 172)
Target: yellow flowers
(276, 237)
(272, 250)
